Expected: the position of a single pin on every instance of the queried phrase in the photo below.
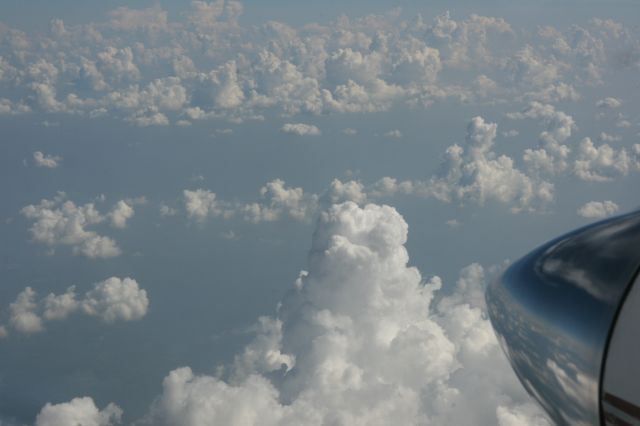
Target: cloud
(48, 161)
(609, 103)
(23, 316)
(201, 204)
(278, 199)
(78, 411)
(149, 68)
(601, 163)
(360, 340)
(551, 156)
(598, 209)
(393, 134)
(478, 174)
(61, 222)
(116, 299)
(111, 300)
(301, 129)
(120, 213)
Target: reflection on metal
(621, 378)
(554, 309)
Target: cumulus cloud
(393, 134)
(301, 129)
(552, 154)
(476, 173)
(147, 68)
(609, 103)
(598, 209)
(601, 163)
(360, 340)
(61, 222)
(201, 204)
(116, 299)
(120, 213)
(23, 316)
(111, 300)
(44, 160)
(78, 411)
(278, 199)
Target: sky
(286, 213)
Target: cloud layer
(148, 69)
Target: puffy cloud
(120, 213)
(510, 133)
(3, 332)
(48, 161)
(605, 137)
(23, 316)
(279, 199)
(149, 19)
(62, 222)
(78, 411)
(358, 340)
(345, 191)
(551, 156)
(59, 307)
(601, 163)
(116, 299)
(598, 209)
(301, 129)
(201, 203)
(476, 173)
(609, 103)
(111, 300)
(393, 134)
(148, 69)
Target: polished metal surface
(553, 311)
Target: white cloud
(48, 161)
(358, 341)
(23, 316)
(601, 163)
(201, 204)
(478, 174)
(393, 134)
(551, 156)
(598, 209)
(301, 129)
(453, 223)
(510, 133)
(78, 411)
(120, 213)
(111, 300)
(609, 102)
(59, 307)
(605, 137)
(345, 191)
(280, 199)
(116, 299)
(167, 211)
(61, 222)
(349, 131)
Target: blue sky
(168, 169)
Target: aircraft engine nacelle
(568, 318)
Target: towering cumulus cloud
(360, 340)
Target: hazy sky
(279, 213)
